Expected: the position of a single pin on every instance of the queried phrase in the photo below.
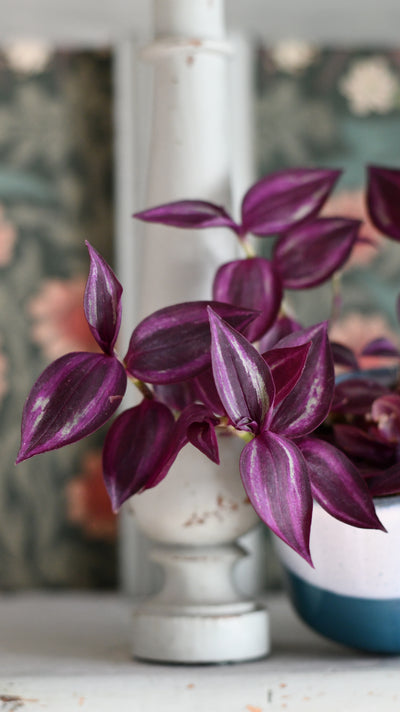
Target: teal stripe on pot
(365, 623)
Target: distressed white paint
(194, 517)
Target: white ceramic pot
(353, 593)
(194, 517)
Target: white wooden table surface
(71, 652)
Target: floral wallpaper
(56, 527)
(337, 108)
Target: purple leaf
(381, 347)
(354, 396)
(283, 326)
(136, 449)
(385, 412)
(198, 424)
(72, 398)
(363, 446)
(308, 403)
(383, 200)
(337, 485)
(207, 392)
(242, 377)
(252, 284)
(275, 478)
(102, 301)
(195, 425)
(188, 214)
(282, 200)
(344, 356)
(173, 344)
(386, 482)
(286, 366)
(308, 255)
(143, 443)
(176, 395)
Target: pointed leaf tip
(278, 202)
(275, 477)
(135, 450)
(337, 485)
(72, 398)
(102, 301)
(308, 403)
(188, 214)
(242, 377)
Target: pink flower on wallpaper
(88, 504)
(8, 236)
(59, 323)
(357, 330)
(351, 204)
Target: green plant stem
(241, 434)
(142, 387)
(249, 252)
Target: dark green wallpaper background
(56, 528)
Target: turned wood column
(190, 154)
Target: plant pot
(194, 517)
(353, 594)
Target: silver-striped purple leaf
(136, 449)
(383, 200)
(308, 403)
(284, 199)
(188, 214)
(72, 398)
(275, 477)
(243, 379)
(308, 255)
(102, 301)
(253, 284)
(173, 344)
(337, 485)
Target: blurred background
(307, 86)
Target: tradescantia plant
(236, 363)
